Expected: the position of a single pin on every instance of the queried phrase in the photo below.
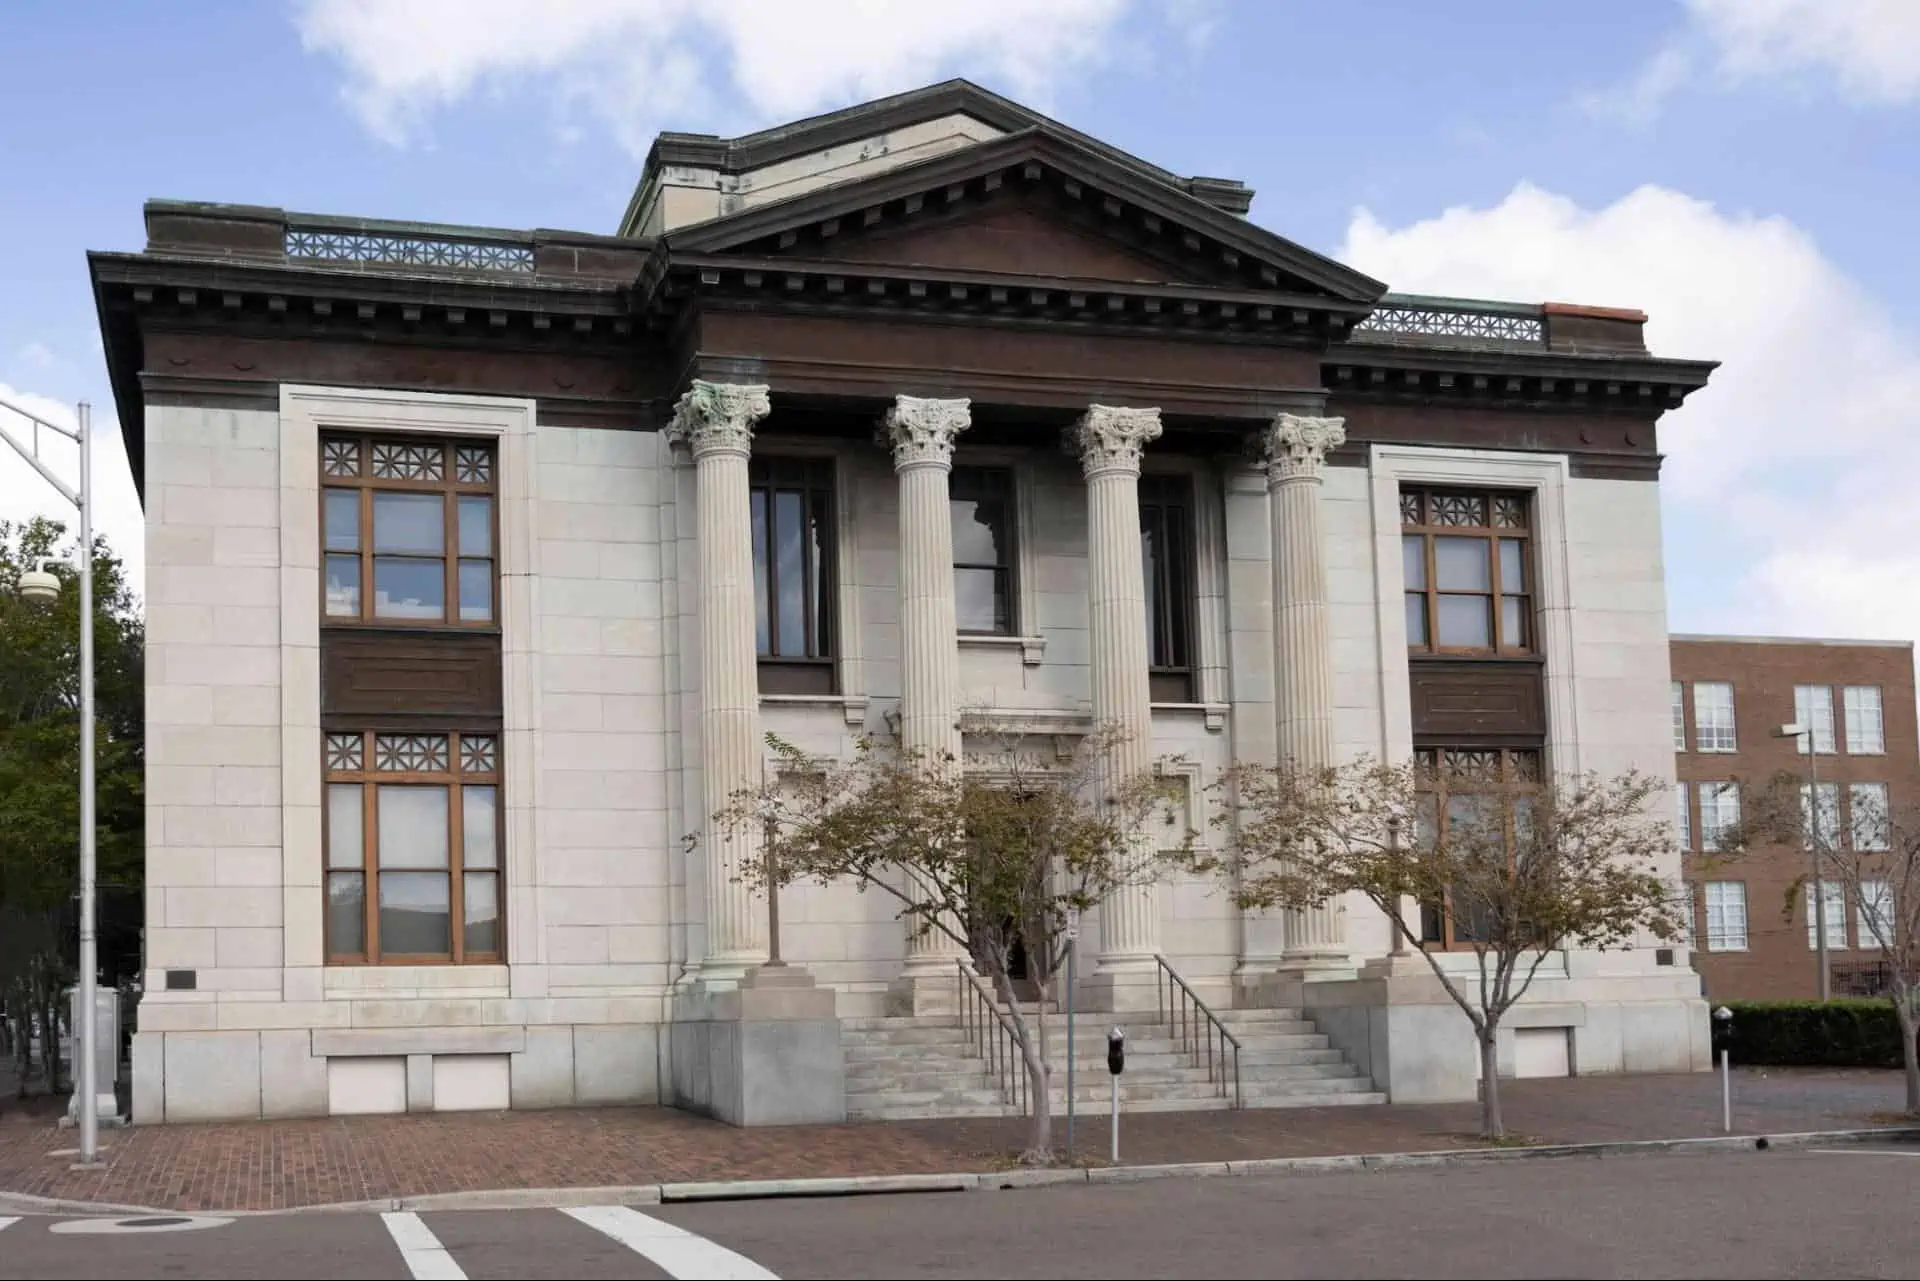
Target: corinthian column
(715, 421)
(1110, 442)
(1296, 449)
(921, 434)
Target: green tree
(998, 853)
(40, 757)
(1553, 865)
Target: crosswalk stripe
(422, 1252)
(681, 1254)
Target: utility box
(106, 1052)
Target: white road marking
(7, 1221)
(676, 1251)
(422, 1252)
(1858, 1152)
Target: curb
(963, 1181)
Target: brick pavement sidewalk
(287, 1164)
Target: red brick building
(1732, 695)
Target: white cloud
(1799, 448)
(1868, 49)
(634, 62)
(39, 355)
(25, 494)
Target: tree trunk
(1039, 1149)
(1491, 1124)
(1909, 1051)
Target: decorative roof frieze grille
(313, 244)
(1452, 322)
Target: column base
(763, 1049)
(1398, 965)
(924, 988)
(1317, 965)
(1120, 985)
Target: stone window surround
(1546, 477)
(305, 411)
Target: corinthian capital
(922, 431)
(1109, 438)
(714, 418)
(1297, 446)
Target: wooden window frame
(1519, 773)
(454, 778)
(1166, 505)
(450, 487)
(813, 478)
(1418, 520)
(1003, 486)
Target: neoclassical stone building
(480, 562)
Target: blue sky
(1746, 170)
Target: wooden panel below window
(388, 674)
(1478, 701)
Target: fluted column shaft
(715, 421)
(1296, 449)
(1110, 442)
(921, 434)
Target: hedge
(1815, 1034)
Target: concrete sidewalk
(290, 1164)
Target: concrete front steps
(902, 1069)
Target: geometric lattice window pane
(1409, 509)
(1459, 509)
(340, 457)
(1483, 766)
(476, 753)
(1525, 766)
(1509, 512)
(409, 462)
(410, 753)
(473, 464)
(344, 752)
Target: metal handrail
(1196, 1026)
(997, 1041)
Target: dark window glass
(791, 523)
(1482, 796)
(1166, 549)
(981, 511)
(408, 530)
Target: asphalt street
(1846, 1213)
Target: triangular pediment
(1032, 204)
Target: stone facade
(631, 631)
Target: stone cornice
(921, 431)
(1110, 438)
(718, 418)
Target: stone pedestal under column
(1110, 442)
(763, 1051)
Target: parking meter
(1723, 1042)
(1116, 1051)
(1723, 1030)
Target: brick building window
(1833, 897)
(1166, 548)
(980, 506)
(1713, 716)
(412, 832)
(1490, 789)
(790, 503)
(1679, 717)
(1820, 813)
(1726, 916)
(409, 531)
(1468, 572)
(1813, 710)
(1719, 811)
(1866, 728)
(1868, 816)
(1683, 814)
(1874, 927)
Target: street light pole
(87, 1033)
